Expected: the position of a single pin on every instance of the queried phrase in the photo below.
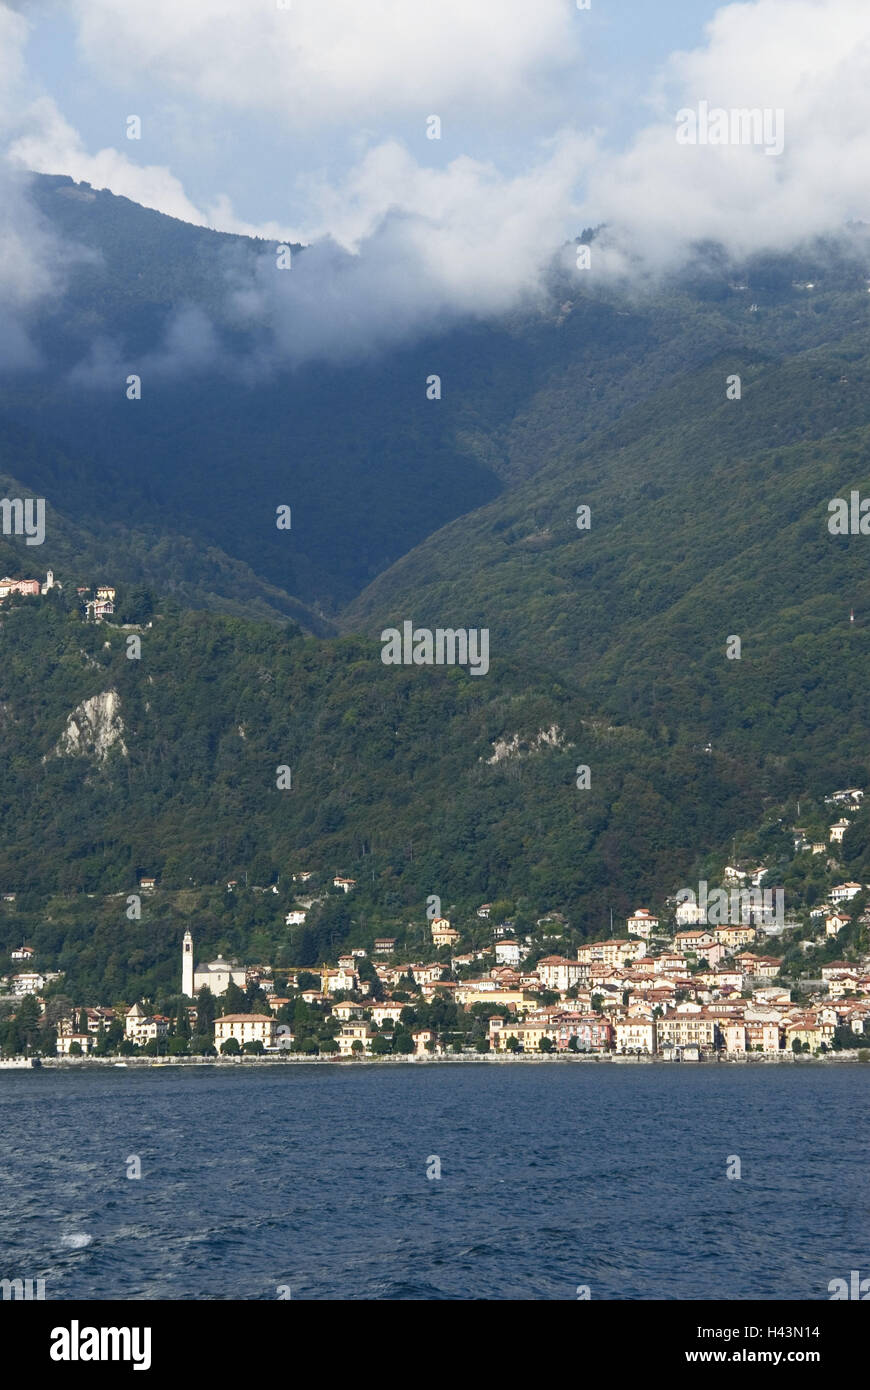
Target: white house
(335, 981)
(86, 1041)
(23, 953)
(245, 1028)
(508, 952)
(386, 1010)
(295, 918)
(636, 1034)
(140, 1027)
(28, 982)
(838, 831)
(690, 913)
(559, 974)
(844, 892)
(642, 923)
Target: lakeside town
(707, 977)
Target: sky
(309, 120)
(256, 159)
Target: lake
(313, 1180)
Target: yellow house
(528, 1035)
(687, 1030)
(808, 1029)
(356, 1030)
(733, 936)
(442, 932)
(736, 1037)
(514, 998)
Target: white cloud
(419, 247)
(399, 247)
(51, 146)
(28, 263)
(48, 144)
(339, 62)
(321, 62)
(809, 58)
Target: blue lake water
(552, 1176)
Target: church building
(216, 975)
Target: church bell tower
(187, 966)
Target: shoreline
(486, 1058)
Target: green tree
(206, 1009)
(27, 1024)
(235, 1001)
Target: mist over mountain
(228, 430)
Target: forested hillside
(609, 644)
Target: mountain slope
(709, 520)
(227, 429)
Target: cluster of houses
(677, 994)
(29, 980)
(33, 587)
(98, 603)
(613, 997)
(680, 988)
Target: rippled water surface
(553, 1176)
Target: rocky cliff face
(94, 728)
